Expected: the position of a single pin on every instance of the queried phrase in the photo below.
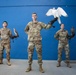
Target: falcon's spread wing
(61, 12)
(51, 12)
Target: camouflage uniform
(5, 35)
(62, 36)
(33, 30)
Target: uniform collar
(35, 22)
(62, 30)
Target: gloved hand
(52, 21)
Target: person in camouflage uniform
(62, 36)
(33, 29)
(5, 35)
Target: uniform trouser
(7, 47)
(38, 46)
(1, 52)
(62, 46)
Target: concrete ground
(19, 66)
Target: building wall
(18, 14)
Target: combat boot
(41, 69)
(58, 64)
(29, 69)
(1, 61)
(8, 59)
(8, 63)
(68, 65)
